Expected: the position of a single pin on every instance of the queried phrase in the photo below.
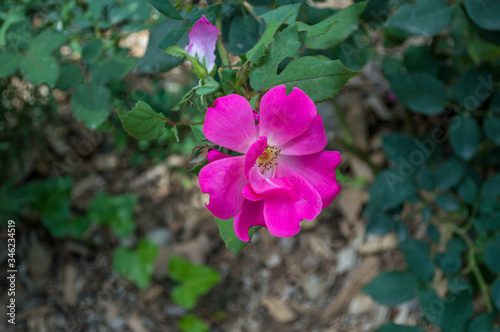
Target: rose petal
(312, 141)
(230, 123)
(254, 152)
(319, 170)
(283, 117)
(202, 40)
(263, 185)
(224, 181)
(214, 155)
(284, 214)
(249, 194)
(251, 214)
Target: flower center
(268, 158)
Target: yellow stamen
(268, 158)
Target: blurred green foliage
(442, 176)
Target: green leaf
(450, 262)
(172, 37)
(75, 227)
(420, 92)
(468, 190)
(417, 256)
(392, 287)
(484, 13)
(285, 14)
(194, 281)
(433, 233)
(406, 152)
(198, 133)
(155, 60)
(95, 8)
(190, 323)
(90, 103)
(111, 70)
(69, 77)
(456, 244)
(391, 327)
(457, 310)
(390, 190)
(447, 202)
(431, 305)
(233, 243)
(92, 50)
(286, 44)
(449, 173)
(464, 136)
(142, 122)
(346, 22)
(227, 79)
(196, 169)
(198, 67)
(114, 211)
(380, 224)
(210, 86)
(492, 186)
(482, 323)
(424, 17)
(47, 41)
(15, 14)
(39, 67)
(420, 59)
(495, 293)
(485, 224)
(211, 13)
(481, 50)
(10, 62)
(137, 265)
(319, 79)
(492, 128)
(473, 88)
(51, 197)
(491, 256)
(244, 33)
(495, 102)
(391, 66)
(489, 206)
(166, 8)
(351, 55)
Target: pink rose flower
(202, 39)
(283, 176)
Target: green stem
(409, 123)
(343, 123)
(220, 45)
(472, 265)
(471, 257)
(97, 31)
(358, 153)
